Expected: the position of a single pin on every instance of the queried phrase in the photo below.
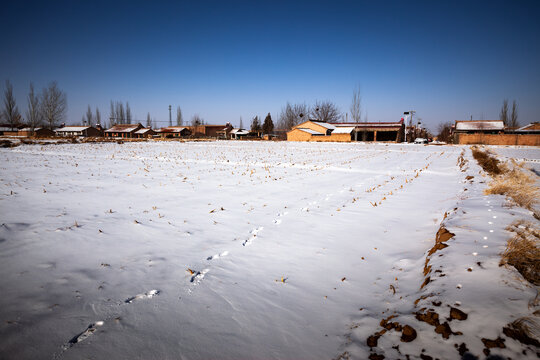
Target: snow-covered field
(236, 250)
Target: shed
(144, 133)
(83, 131)
(37, 132)
(125, 131)
(174, 132)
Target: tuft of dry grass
(523, 250)
(488, 162)
(517, 185)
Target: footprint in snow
(146, 295)
(306, 209)
(217, 256)
(84, 335)
(198, 276)
(277, 221)
(254, 233)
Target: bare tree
(148, 121)
(33, 114)
(504, 112)
(325, 111)
(514, 115)
(128, 113)
(112, 115)
(120, 114)
(356, 105)
(292, 115)
(53, 105)
(89, 117)
(196, 120)
(179, 118)
(10, 112)
(98, 116)
(444, 130)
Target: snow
(310, 131)
(248, 250)
(343, 130)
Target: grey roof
(309, 131)
(324, 124)
(72, 128)
(472, 125)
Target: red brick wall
(499, 139)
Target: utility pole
(170, 117)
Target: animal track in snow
(146, 295)
(277, 221)
(84, 335)
(254, 233)
(198, 276)
(217, 256)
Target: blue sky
(226, 59)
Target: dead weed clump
(487, 161)
(523, 251)
(517, 185)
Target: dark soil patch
(456, 314)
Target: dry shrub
(525, 330)
(487, 161)
(523, 250)
(516, 184)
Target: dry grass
(523, 250)
(488, 162)
(517, 185)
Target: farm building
(237, 134)
(206, 130)
(144, 133)
(125, 131)
(37, 132)
(346, 132)
(83, 131)
(174, 132)
(10, 130)
(494, 132)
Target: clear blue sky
(226, 59)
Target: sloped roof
(309, 131)
(172, 129)
(143, 131)
(239, 131)
(472, 125)
(396, 124)
(324, 124)
(530, 127)
(343, 130)
(124, 128)
(30, 129)
(72, 128)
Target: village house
(174, 132)
(494, 132)
(211, 131)
(237, 134)
(144, 133)
(82, 131)
(346, 132)
(37, 132)
(124, 131)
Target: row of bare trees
(45, 109)
(325, 111)
(510, 120)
